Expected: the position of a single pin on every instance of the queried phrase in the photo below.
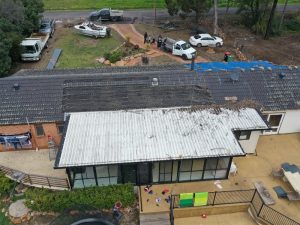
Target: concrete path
(155, 219)
(31, 162)
(128, 30)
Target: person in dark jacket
(145, 37)
(159, 41)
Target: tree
(215, 16)
(172, 7)
(254, 13)
(5, 62)
(283, 13)
(269, 26)
(33, 10)
(188, 6)
(18, 18)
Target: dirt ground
(279, 50)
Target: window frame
(58, 130)
(162, 171)
(36, 126)
(243, 137)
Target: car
(200, 40)
(106, 14)
(47, 26)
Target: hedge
(104, 197)
(6, 185)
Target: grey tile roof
(44, 96)
(265, 87)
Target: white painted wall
(290, 122)
(249, 145)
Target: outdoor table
(292, 174)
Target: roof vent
(252, 69)
(281, 75)
(261, 67)
(269, 68)
(231, 98)
(298, 102)
(290, 67)
(154, 82)
(16, 86)
(243, 70)
(234, 77)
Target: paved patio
(241, 218)
(31, 162)
(272, 151)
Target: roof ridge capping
(231, 105)
(103, 70)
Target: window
(60, 128)
(275, 121)
(243, 134)
(107, 175)
(39, 130)
(191, 170)
(165, 171)
(216, 168)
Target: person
(153, 40)
(145, 37)
(159, 41)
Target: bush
(115, 56)
(100, 197)
(6, 185)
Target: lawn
(117, 4)
(82, 51)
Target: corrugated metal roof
(108, 137)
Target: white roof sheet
(108, 137)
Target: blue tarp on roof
(221, 66)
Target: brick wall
(40, 142)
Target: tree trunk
(215, 16)
(269, 26)
(282, 15)
(227, 6)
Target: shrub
(6, 185)
(99, 197)
(115, 56)
(106, 55)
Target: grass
(3, 220)
(82, 51)
(118, 4)
(98, 4)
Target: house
(156, 145)
(276, 90)
(33, 103)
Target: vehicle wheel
(184, 57)
(46, 46)
(199, 45)
(114, 19)
(218, 44)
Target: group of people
(151, 39)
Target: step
(155, 219)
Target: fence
(251, 196)
(35, 180)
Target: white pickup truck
(33, 46)
(180, 48)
